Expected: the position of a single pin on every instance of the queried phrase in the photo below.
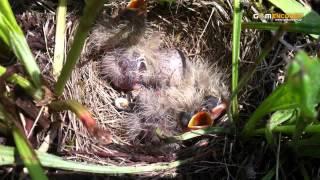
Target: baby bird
(170, 93)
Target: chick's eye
(184, 118)
(209, 102)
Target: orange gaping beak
(200, 120)
(137, 5)
(204, 119)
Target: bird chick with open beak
(172, 93)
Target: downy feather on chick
(169, 89)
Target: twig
(35, 122)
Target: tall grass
(12, 35)
(236, 33)
(60, 45)
(91, 10)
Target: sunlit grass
(91, 10)
(236, 34)
(60, 45)
(13, 37)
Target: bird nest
(202, 31)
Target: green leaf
(12, 35)
(303, 79)
(6, 9)
(27, 155)
(293, 6)
(289, 27)
(301, 90)
(273, 171)
(282, 98)
(278, 118)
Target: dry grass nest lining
(197, 28)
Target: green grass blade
(303, 79)
(192, 134)
(236, 33)
(52, 161)
(301, 90)
(90, 12)
(81, 112)
(84, 116)
(290, 6)
(294, 7)
(303, 75)
(59, 48)
(13, 36)
(290, 130)
(28, 156)
(281, 98)
(23, 83)
(260, 58)
(3, 32)
(6, 9)
(289, 27)
(25, 150)
(277, 118)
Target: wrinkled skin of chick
(140, 66)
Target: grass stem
(289, 129)
(192, 134)
(237, 16)
(12, 35)
(59, 48)
(91, 10)
(250, 125)
(23, 83)
(52, 161)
